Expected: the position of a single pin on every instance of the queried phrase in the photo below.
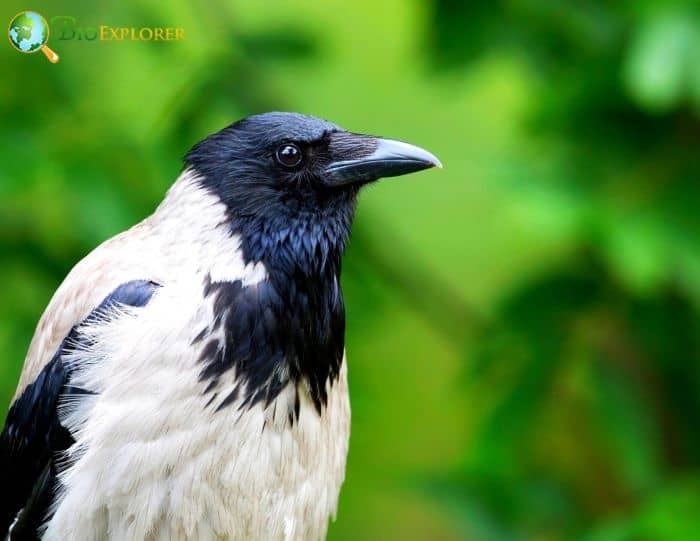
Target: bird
(188, 379)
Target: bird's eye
(289, 155)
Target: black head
(289, 183)
(292, 177)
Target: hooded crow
(188, 378)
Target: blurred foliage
(523, 328)
(592, 368)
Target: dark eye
(289, 155)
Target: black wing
(33, 437)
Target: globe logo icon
(29, 32)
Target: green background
(523, 331)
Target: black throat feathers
(290, 327)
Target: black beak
(362, 158)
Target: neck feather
(290, 327)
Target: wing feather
(114, 262)
(33, 437)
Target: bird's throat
(288, 329)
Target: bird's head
(284, 176)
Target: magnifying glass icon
(29, 32)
